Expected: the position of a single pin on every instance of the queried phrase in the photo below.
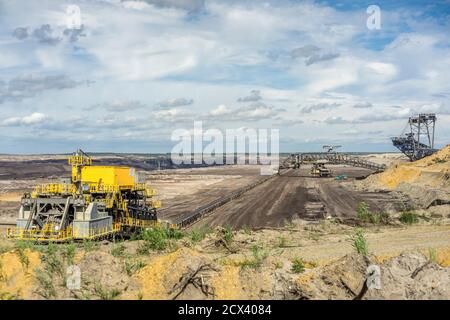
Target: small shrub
(247, 230)
(25, 244)
(69, 252)
(53, 261)
(4, 250)
(118, 250)
(45, 283)
(258, 256)
(278, 265)
(288, 224)
(89, 245)
(2, 275)
(408, 217)
(298, 265)
(359, 242)
(158, 239)
(133, 266)
(198, 235)
(9, 296)
(282, 242)
(24, 261)
(432, 255)
(363, 212)
(228, 235)
(106, 294)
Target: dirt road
(296, 195)
(386, 241)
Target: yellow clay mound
(152, 277)
(227, 283)
(17, 274)
(432, 170)
(161, 273)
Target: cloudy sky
(133, 71)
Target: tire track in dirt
(268, 205)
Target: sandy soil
(387, 159)
(414, 262)
(425, 181)
(296, 195)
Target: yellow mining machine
(96, 202)
(318, 169)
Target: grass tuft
(106, 294)
(158, 238)
(258, 256)
(228, 235)
(132, 266)
(118, 250)
(197, 235)
(364, 214)
(432, 256)
(359, 243)
(408, 217)
(298, 266)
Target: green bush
(297, 265)
(158, 238)
(197, 235)
(364, 214)
(408, 217)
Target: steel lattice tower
(419, 141)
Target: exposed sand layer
(426, 181)
(17, 279)
(387, 159)
(414, 262)
(433, 171)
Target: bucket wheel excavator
(96, 202)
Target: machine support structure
(97, 202)
(419, 141)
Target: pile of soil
(100, 272)
(159, 278)
(426, 181)
(408, 276)
(17, 278)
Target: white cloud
(32, 119)
(384, 69)
(221, 110)
(217, 53)
(172, 115)
(123, 105)
(175, 102)
(254, 112)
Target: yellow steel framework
(117, 189)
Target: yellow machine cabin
(98, 201)
(122, 177)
